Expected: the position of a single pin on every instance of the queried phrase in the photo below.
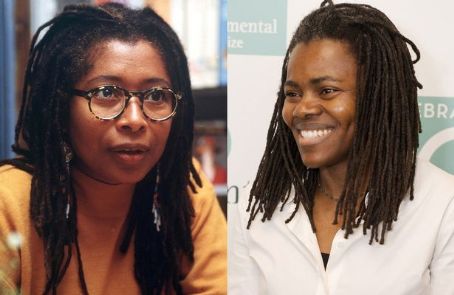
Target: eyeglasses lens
(159, 103)
(107, 102)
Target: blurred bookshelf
(201, 26)
(210, 137)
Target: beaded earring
(155, 210)
(68, 154)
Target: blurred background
(202, 28)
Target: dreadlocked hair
(382, 159)
(56, 62)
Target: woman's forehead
(132, 65)
(126, 63)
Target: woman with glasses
(104, 197)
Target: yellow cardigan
(22, 257)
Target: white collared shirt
(273, 257)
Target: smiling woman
(104, 197)
(341, 198)
(320, 96)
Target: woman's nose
(308, 106)
(133, 118)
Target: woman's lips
(129, 157)
(130, 154)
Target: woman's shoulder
(431, 180)
(14, 191)
(204, 201)
(8, 170)
(204, 193)
(433, 194)
(209, 234)
(15, 227)
(14, 181)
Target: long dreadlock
(382, 158)
(56, 63)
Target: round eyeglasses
(109, 101)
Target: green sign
(436, 142)
(257, 27)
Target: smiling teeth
(315, 133)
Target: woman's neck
(101, 200)
(332, 179)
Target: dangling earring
(155, 210)
(68, 153)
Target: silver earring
(68, 153)
(155, 210)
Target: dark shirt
(325, 257)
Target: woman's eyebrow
(319, 80)
(116, 80)
(291, 83)
(104, 78)
(157, 81)
(314, 81)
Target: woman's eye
(155, 96)
(291, 94)
(328, 91)
(105, 93)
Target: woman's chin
(311, 162)
(112, 178)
